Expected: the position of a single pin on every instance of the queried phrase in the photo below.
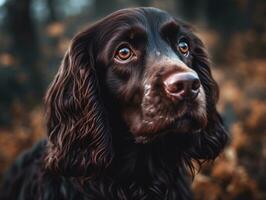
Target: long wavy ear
(210, 142)
(79, 139)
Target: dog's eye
(183, 46)
(123, 53)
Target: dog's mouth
(190, 119)
(158, 116)
(188, 123)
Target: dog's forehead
(160, 21)
(148, 17)
(156, 17)
(148, 21)
(147, 25)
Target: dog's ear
(210, 142)
(79, 139)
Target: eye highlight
(183, 46)
(124, 53)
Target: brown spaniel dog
(132, 105)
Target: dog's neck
(142, 170)
(144, 161)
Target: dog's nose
(182, 85)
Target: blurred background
(34, 34)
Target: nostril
(179, 87)
(174, 87)
(195, 84)
(195, 88)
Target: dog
(132, 105)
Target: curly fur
(90, 152)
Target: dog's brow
(132, 31)
(169, 28)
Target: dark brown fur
(112, 131)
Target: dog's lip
(170, 127)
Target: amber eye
(123, 53)
(183, 46)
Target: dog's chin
(184, 125)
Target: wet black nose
(182, 85)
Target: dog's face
(148, 56)
(144, 67)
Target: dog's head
(144, 67)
